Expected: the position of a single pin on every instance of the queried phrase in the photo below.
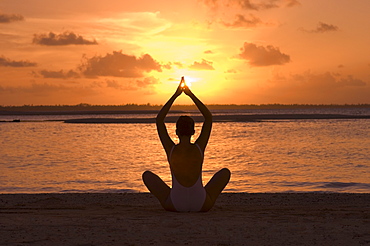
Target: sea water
(41, 156)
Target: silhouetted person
(186, 160)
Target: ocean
(42, 154)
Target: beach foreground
(138, 219)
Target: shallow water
(269, 156)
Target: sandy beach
(138, 219)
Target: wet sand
(138, 219)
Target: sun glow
(189, 80)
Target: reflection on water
(298, 156)
(276, 156)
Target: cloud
(231, 71)
(241, 21)
(256, 5)
(119, 65)
(94, 88)
(211, 3)
(180, 65)
(350, 81)
(66, 38)
(263, 56)
(131, 84)
(72, 92)
(34, 88)
(167, 65)
(325, 81)
(59, 74)
(267, 4)
(148, 81)
(204, 65)
(239, 8)
(320, 83)
(292, 3)
(309, 87)
(322, 28)
(114, 84)
(8, 18)
(5, 62)
(47, 92)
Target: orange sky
(233, 51)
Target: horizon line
(190, 105)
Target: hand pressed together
(183, 88)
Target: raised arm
(207, 125)
(161, 126)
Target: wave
(322, 187)
(341, 185)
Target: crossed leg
(214, 187)
(159, 189)
(162, 191)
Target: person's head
(185, 126)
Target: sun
(205, 84)
(189, 80)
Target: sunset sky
(232, 51)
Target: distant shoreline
(222, 118)
(216, 118)
(151, 109)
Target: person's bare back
(185, 161)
